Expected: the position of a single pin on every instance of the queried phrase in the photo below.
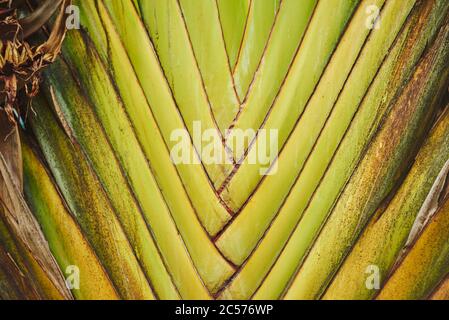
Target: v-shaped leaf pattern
(259, 26)
(210, 54)
(233, 20)
(140, 70)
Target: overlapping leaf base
(362, 139)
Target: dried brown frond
(21, 62)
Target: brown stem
(39, 17)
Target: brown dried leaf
(10, 149)
(39, 17)
(25, 227)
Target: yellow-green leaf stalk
(385, 161)
(66, 240)
(387, 232)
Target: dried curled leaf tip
(20, 62)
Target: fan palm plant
(346, 198)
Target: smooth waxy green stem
(164, 221)
(288, 32)
(153, 109)
(253, 271)
(233, 18)
(303, 177)
(168, 33)
(343, 163)
(311, 59)
(210, 54)
(259, 25)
